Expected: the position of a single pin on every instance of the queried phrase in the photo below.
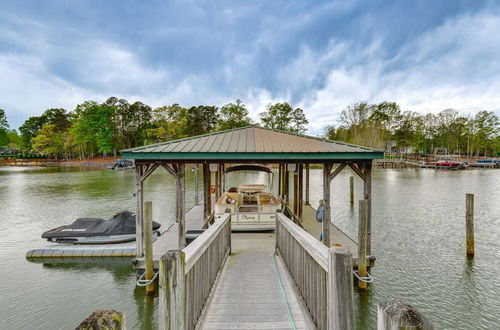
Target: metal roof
(252, 143)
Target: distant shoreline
(94, 162)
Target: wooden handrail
(314, 247)
(196, 249)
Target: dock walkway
(315, 228)
(248, 294)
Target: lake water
(418, 238)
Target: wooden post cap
(396, 314)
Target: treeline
(94, 128)
(385, 125)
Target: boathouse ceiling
(253, 144)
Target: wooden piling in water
(351, 185)
(362, 241)
(148, 246)
(469, 224)
(396, 314)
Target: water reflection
(417, 230)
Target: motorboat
(253, 206)
(449, 164)
(119, 229)
(121, 164)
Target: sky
(321, 56)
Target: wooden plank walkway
(315, 228)
(247, 294)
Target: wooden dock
(248, 294)
(168, 240)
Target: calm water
(418, 239)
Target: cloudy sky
(317, 55)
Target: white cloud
(453, 66)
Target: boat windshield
(248, 176)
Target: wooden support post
(223, 181)
(280, 177)
(180, 206)
(296, 190)
(351, 186)
(139, 220)
(172, 295)
(396, 314)
(287, 185)
(196, 188)
(340, 290)
(368, 197)
(307, 184)
(469, 224)
(206, 193)
(219, 182)
(327, 168)
(148, 246)
(301, 190)
(362, 241)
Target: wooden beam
(307, 184)
(206, 193)
(139, 220)
(367, 189)
(326, 198)
(280, 179)
(196, 186)
(336, 171)
(296, 190)
(357, 170)
(301, 190)
(180, 205)
(148, 170)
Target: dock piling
(148, 246)
(469, 224)
(362, 241)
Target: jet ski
(119, 229)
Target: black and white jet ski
(119, 229)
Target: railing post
(340, 290)
(196, 189)
(172, 295)
(396, 314)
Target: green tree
(202, 119)
(93, 128)
(233, 115)
(282, 116)
(29, 129)
(486, 131)
(4, 129)
(48, 141)
(168, 123)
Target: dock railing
(187, 276)
(322, 275)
